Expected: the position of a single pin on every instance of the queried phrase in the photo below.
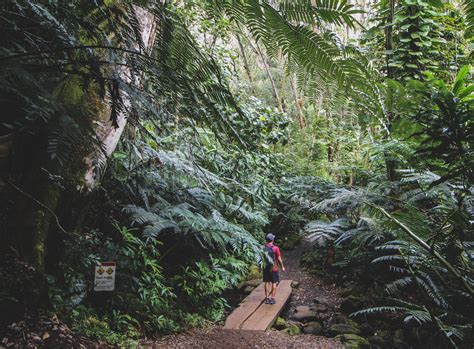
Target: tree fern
(468, 6)
(366, 233)
(183, 200)
(310, 51)
(420, 316)
(320, 232)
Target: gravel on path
(218, 338)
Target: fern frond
(468, 7)
(320, 232)
(308, 50)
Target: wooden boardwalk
(253, 314)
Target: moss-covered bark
(42, 223)
(39, 182)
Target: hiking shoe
(272, 301)
(267, 301)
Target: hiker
(271, 277)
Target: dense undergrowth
(408, 241)
(238, 118)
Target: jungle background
(171, 136)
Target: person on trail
(271, 278)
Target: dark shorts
(271, 276)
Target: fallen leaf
(45, 335)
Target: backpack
(269, 257)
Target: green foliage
(203, 284)
(141, 298)
(321, 232)
(447, 127)
(122, 331)
(175, 205)
(193, 206)
(58, 87)
(288, 26)
(418, 40)
(427, 36)
(270, 125)
(425, 242)
(469, 15)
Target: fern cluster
(419, 229)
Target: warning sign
(104, 279)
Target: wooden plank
(246, 308)
(266, 314)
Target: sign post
(104, 279)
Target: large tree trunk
(38, 193)
(108, 133)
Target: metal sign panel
(104, 279)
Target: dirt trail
(311, 291)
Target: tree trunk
(244, 58)
(282, 93)
(266, 66)
(107, 133)
(390, 164)
(45, 193)
(298, 103)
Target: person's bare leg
(268, 290)
(274, 290)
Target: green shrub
(202, 285)
(86, 322)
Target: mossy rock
(248, 286)
(313, 328)
(377, 341)
(292, 330)
(339, 329)
(280, 323)
(254, 272)
(340, 319)
(305, 314)
(247, 290)
(351, 304)
(348, 291)
(353, 341)
(354, 290)
(252, 282)
(295, 284)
